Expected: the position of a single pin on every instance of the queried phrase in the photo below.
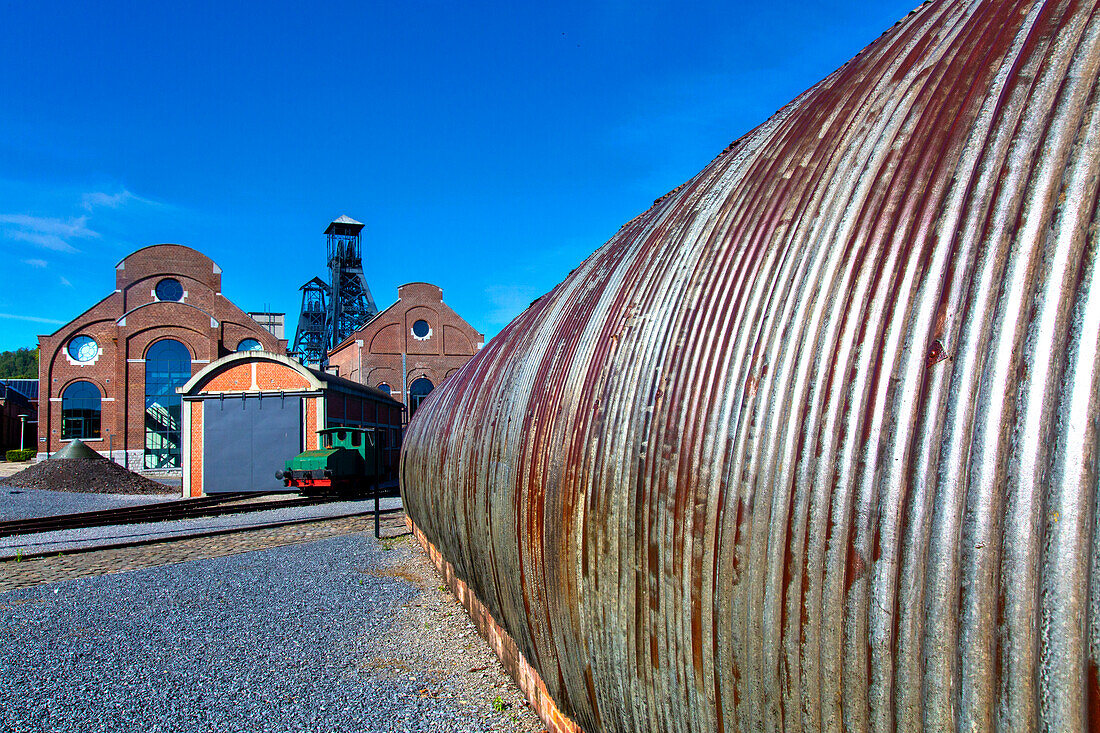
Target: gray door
(247, 439)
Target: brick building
(409, 348)
(109, 376)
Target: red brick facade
(388, 351)
(194, 468)
(124, 325)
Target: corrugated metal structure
(812, 443)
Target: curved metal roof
(812, 443)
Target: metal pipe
(812, 443)
(377, 526)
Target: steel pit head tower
(350, 304)
(309, 340)
(349, 301)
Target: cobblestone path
(21, 574)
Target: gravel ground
(26, 503)
(334, 635)
(71, 539)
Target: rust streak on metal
(812, 444)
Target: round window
(384, 388)
(83, 348)
(250, 345)
(421, 329)
(169, 289)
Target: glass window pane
(167, 367)
(80, 411)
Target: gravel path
(334, 635)
(70, 539)
(26, 503)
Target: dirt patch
(397, 572)
(87, 475)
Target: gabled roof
(317, 380)
(318, 281)
(344, 221)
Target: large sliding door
(247, 439)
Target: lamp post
(22, 430)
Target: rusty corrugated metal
(812, 443)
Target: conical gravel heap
(77, 449)
(76, 467)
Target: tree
(19, 364)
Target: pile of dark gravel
(89, 475)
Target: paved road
(73, 539)
(27, 573)
(336, 634)
(7, 468)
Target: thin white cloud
(47, 232)
(35, 263)
(50, 225)
(46, 241)
(65, 282)
(32, 319)
(98, 199)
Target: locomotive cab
(348, 461)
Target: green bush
(20, 455)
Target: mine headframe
(310, 345)
(350, 304)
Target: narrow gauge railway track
(208, 506)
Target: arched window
(383, 387)
(81, 405)
(418, 391)
(167, 366)
(250, 345)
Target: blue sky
(487, 147)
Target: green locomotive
(350, 460)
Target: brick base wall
(526, 676)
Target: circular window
(385, 388)
(83, 348)
(421, 329)
(250, 345)
(169, 289)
